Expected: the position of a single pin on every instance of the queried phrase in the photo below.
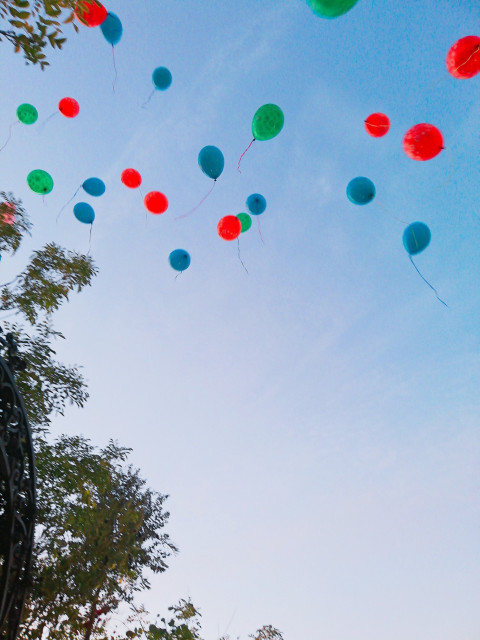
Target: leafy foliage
(14, 223)
(100, 529)
(33, 25)
(46, 385)
(46, 282)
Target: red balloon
(229, 227)
(155, 202)
(69, 107)
(93, 14)
(463, 58)
(377, 125)
(423, 142)
(9, 218)
(131, 178)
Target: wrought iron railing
(17, 494)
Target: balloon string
(115, 69)
(238, 240)
(42, 126)
(178, 274)
(90, 239)
(427, 282)
(379, 126)
(259, 230)
(9, 134)
(240, 159)
(67, 203)
(469, 57)
(383, 208)
(142, 196)
(144, 105)
(199, 204)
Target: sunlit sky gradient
(316, 421)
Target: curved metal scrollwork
(17, 495)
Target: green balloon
(27, 114)
(331, 8)
(40, 181)
(267, 122)
(245, 221)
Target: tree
(182, 623)
(32, 296)
(100, 530)
(33, 25)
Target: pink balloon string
(9, 134)
(115, 69)
(240, 159)
(185, 215)
(259, 230)
(428, 283)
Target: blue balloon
(416, 237)
(179, 259)
(162, 78)
(211, 161)
(112, 28)
(94, 187)
(84, 212)
(256, 204)
(360, 190)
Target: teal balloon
(256, 204)
(179, 259)
(416, 237)
(112, 29)
(161, 78)
(361, 190)
(84, 212)
(211, 161)
(94, 186)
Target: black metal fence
(17, 495)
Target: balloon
(229, 227)
(8, 218)
(463, 58)
(423, 142)
(360, 190)
(331, 8)
(155, 202)
(416, 237)
(377, 125)
(94, 187)
(256, 204)
(162, 78)
(40, 181)
(27, 114)
(179, 259)
(211, 161)
(69, 107)
(131, 178)
(112, 28)
(84, 212)
(245, 221)
(92, 15)
(267, 122)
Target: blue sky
(315, 422)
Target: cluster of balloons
(155, 202)
(421, 142)
(94, 14)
